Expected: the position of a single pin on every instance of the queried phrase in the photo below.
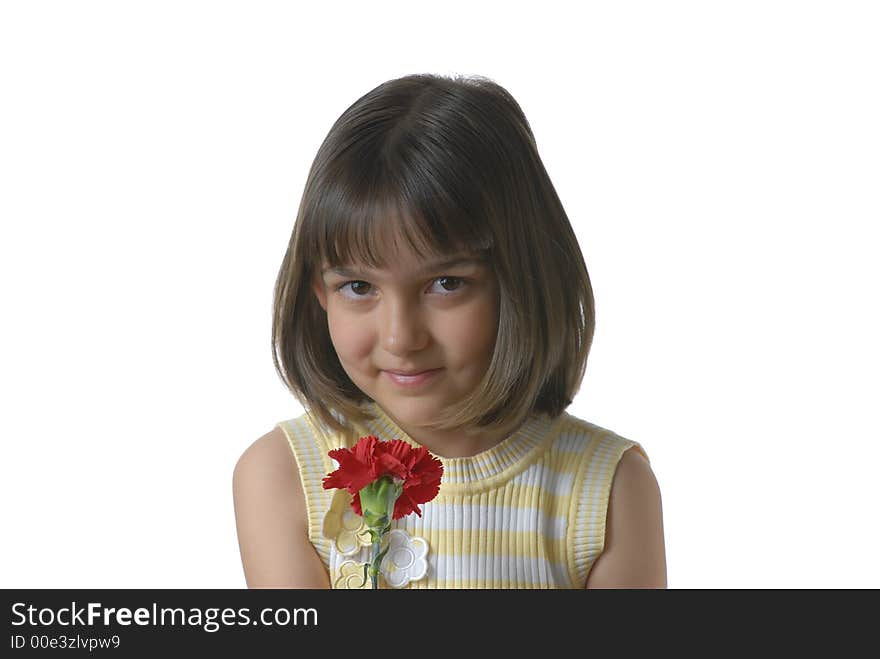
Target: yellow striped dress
(527, 513)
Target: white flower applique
(344, 526)
(406, 559)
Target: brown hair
(450, 165)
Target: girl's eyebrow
(343, 271)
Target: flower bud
(377, 501)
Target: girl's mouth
(412, 380)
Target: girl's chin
(418, 411)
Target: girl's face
(413, 317)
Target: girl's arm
(271, 518)
(634, 555)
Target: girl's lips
(412, 380)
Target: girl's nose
(403, 330)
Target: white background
(720, 162)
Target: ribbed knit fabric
(527, 513)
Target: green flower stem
(377, 504)
(378, 554)
(374, 568)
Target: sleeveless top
(527, 513)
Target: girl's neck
(454, 444)
(449, 443)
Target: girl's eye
(356, 287)
(360, 289)
(457, 283)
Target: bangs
(366, 220)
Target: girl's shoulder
(271, 515)
(264, 457)
(574, 430)
(306, 430)
(273, 460)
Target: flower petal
(419, 547)
(405, 558)
(394, 456)
(347, 543)
(332, 523)
(357, 466)
(418, 570)
(404, 506)
(351, 576)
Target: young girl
(434, 291)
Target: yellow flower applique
(351, 576)
(344, 526)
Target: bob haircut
(450, 165)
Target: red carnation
(370, 459)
